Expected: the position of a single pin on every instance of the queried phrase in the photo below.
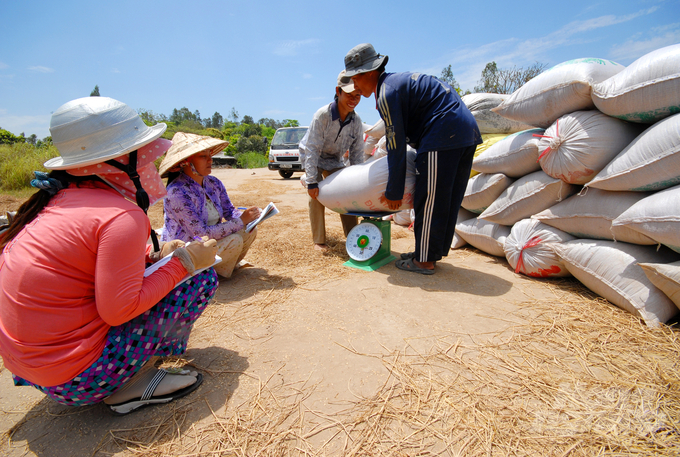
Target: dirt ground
(305, 356)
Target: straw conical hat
(184, 145)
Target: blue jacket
(425, 113)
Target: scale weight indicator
(364, 241)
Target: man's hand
(313, 193)
(391, 204)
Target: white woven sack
(381, 148)
(484, 235)
(650, 162)
(580, 144)
(515, 155)
(402, 217)
(359, 187)
(483, 101)
(480, 106)
(527, 196)
(611, 270)
(463, 215)
(377, 130)
(528, 251)
(657, 216)
(563, 89)
(665, 276)
(483, 189)
(590, 215)
(369, 147)
(646, 91)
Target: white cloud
(3, 65)
(306, 76)
(115, 70)
(292, 48)
(637, 45)
(468, 63)
(41, 69)
(27, 124)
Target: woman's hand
(169, 247)
(250, 215)
(391, 204)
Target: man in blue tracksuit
(427, 114)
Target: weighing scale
(369, 243)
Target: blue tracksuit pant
(441, 180)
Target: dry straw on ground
(572, 376)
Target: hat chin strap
(140, 195)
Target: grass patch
(251, 160)
(19, 161)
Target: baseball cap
(345, 82)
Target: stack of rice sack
(593, 190)
(492, 126)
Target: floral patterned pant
(161, 331)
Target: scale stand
(369, 243)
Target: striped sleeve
(392, 113)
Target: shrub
(251, 160)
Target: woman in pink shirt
(78, 317)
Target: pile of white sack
(591, 187)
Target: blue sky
(281, 59)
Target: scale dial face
(363, 241)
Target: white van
(284, 155)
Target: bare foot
(321, 247)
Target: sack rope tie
(529, 244)
(554, 142)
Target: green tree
(247, 120)
(505, 81)
(217, 121)
(7, 137)
(150, 118)
(233, 115)
(95, 92)
(271, 123)
(290, 123)
(447, 76)
(45, 142)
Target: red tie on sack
(530, 244)
(557, 135)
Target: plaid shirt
(327, 140)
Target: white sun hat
(92, 130)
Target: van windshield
(288, 136)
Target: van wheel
(285, 174)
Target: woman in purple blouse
(197, 203)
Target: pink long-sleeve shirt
(70, 275)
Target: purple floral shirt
(186, 215)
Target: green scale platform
(369, 243)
